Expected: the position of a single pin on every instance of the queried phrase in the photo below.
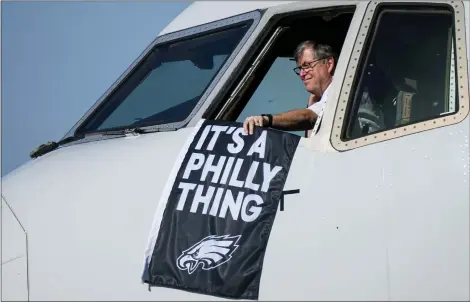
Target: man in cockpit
(315, 65)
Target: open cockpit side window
(269, 83)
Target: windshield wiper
(136, 130)
(50, 146)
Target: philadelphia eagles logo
(208, 253)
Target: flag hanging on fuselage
(213, 222)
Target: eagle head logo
(208, 253)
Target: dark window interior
(404, 76)
(166, 86)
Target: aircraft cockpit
(274, 87)
(404, 75)
(401, 72)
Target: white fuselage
(384, 221)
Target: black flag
(212, 226)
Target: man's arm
(294, 120)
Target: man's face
(315, 74)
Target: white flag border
(157, 220)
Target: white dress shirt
(318, 106)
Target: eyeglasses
(307, 65)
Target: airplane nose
(14, 285)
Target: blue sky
(58, 58)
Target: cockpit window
(166, 86)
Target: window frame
(354, 74)
(238, 88)
(231, 22)
(229, 95)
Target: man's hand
(252, 121)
